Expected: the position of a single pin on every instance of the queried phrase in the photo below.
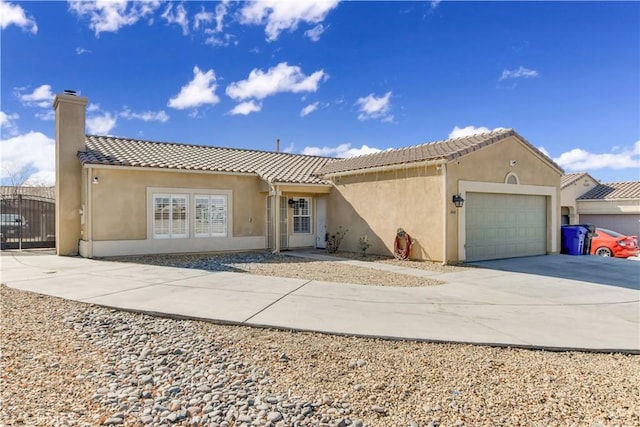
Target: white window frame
(213, 201)
(170, 234)
(309, 215)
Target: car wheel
(603, 252)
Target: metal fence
(27, 222)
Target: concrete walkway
(483, 306)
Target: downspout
(275, 192)
(445, 214)
(89, 213)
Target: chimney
(70, 138)
(278, 145)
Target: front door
(321, 223)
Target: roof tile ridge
(186, 144)
(619, 182)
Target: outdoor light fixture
(95, 180)
(291, 202)
(458, 200)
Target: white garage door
(504, 226)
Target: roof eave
(300, 184)
(577, 178)
(384, 168)
(88, 165)
(539, 153)
(619, 199)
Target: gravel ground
(71, 364)
(422, 265)
(268, 264)
(65, 363)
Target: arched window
(511, 178)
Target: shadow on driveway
(605, 271)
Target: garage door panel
(504, 226)
(628, 224)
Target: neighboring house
(612, 205)
(120, 196)
(572, 186)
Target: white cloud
(580, 160)
(201, 17)
(13, 14)
(278, 15)
(111, 15)
(315, 33)
(93, 107)
(434, 4)
(221, 11)
(309, 109)
(245, 108)
(289, 148)
(7, 123)
(521, 72)
(218, 40)
(47, 115)
(40, 97)
(458, 132)
(544, 151)
(281, 78)
(342, 150)
(372, 107)
(81, 50)
(179, 16)
(31, 150)
(199, 91)
(101, 124)
(147, 116)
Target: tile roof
(271, 166)
(569, 178)
(613, 191)
(445, 150)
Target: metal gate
(27, 222)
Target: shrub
(364, 244)
(334, 240)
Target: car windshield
(611, 232)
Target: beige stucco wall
(629, 206)
(492, 164)
(119, 202)
(377, 204)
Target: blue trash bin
(591, 230)
(573, 238)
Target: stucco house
(612, 205)
(119, 196)
(572, 186)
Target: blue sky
(326, 77)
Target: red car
(611, 243)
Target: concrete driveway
(527, 302)
(593, 269)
